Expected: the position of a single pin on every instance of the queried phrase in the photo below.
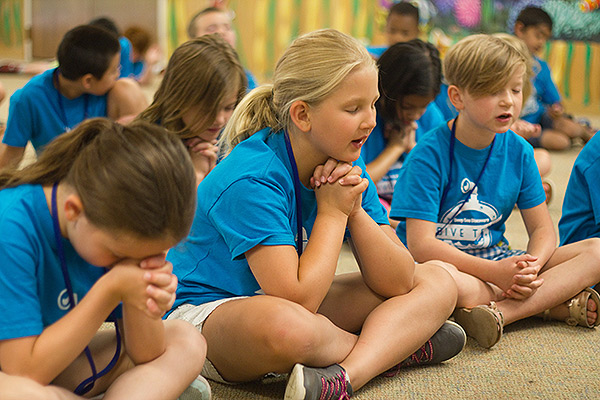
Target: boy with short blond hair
(458, 187)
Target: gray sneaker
(307, 383)
(198, 390)
(446, 343)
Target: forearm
(144, 336)
(44, 357)
(318, 263)
(384, 161)
(10, 156)
(429, 248)
(542, 243)
(388, 271)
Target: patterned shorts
(495, 253)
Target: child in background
(84, 85)
(85, 228)
(202, 84)
(257, 272)
(534, 27)
(401, 25)
(524, 128)
(144, 54)
(460, 184)
(409, 79)
(217, 20)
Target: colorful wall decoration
(266, 27)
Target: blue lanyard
(61, 106)
(447, 188)
(88, 383)
(298, 193)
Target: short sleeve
(251, 212)
(532, 192)
(19, 125)
(21, 310)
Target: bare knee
(185, 338)
(289, 331)
(18, 388)
(440, 278)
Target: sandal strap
(578, 308)
(494, 307)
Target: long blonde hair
(200, 73)
(311, 68)
(135, 179)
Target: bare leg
(19, 388)
(555, 140)
(389, 334)
(571, 269)
(248, 338)
(166, 377)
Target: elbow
(419, 251)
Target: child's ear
(519, 29)
(300, 114)
(86, 81)
(73, 207)
(456, 97)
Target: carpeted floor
(534, 360)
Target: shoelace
(421, 356)
(334, 386)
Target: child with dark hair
(534, 27)
(401, 25)
(126, 45)
(409, 79)
(83, 86)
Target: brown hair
(200, 73)
(135, 179)
(140, 39)
(482, 64)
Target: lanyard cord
(88, 383)
(447, 188)
(61, 106)
(296, 176)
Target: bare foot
(561, 312)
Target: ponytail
(255, 112)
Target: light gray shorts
(196, 315)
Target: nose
(506, 98)
(221, 119)
(371, 119)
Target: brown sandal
(578, 309)
(483, 323)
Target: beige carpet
(534, 360)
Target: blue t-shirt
(544, 93)
(376, 51)
(251, 80)
(511, 177)
(126, 58)
(377, 142)
(247, 200)
(33, 293)
(581, 207)
(35, 114)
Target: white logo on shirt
(469, 231)
(63, 300)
